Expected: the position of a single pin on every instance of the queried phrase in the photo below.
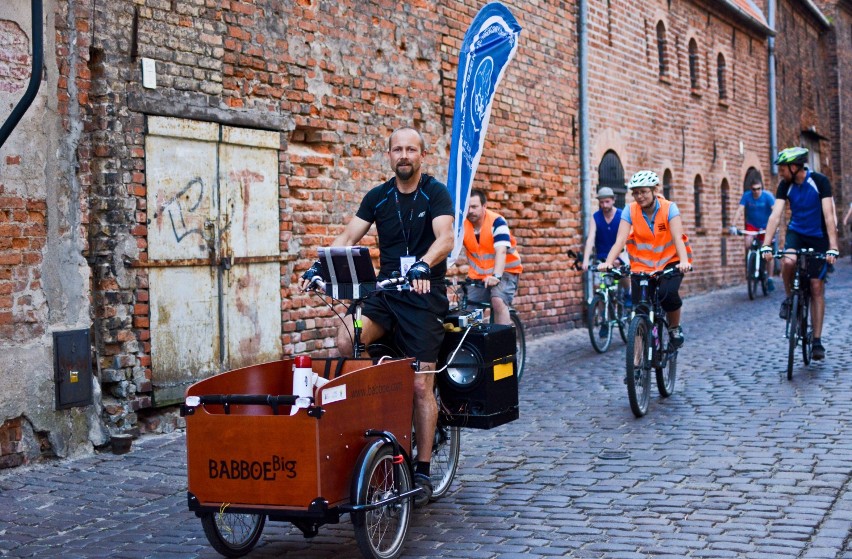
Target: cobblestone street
(739, 462)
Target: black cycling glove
(419, 271)
(313, 271)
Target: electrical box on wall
(72, 363)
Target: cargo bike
(307, 441)
(346, 450)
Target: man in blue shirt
(603, 228)
(757, 204)
(812, 225)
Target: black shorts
(417, 321)
(668, 291)
(816, 268)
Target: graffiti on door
(186, 201)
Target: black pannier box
(479, 388)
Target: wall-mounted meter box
(72, 363)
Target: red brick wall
(805, 81)
(23, 231)
(339, 76)
(11, 453)
(843, 115)
(530, 165)
(838, 48)
(22, 237)
(661, 123)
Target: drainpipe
(585, 181)
(35, 77)
(773, 125)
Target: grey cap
(606, 192)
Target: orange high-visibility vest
(480, 255)
(649, 250)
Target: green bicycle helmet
(792, 156)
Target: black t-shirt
(404, 221)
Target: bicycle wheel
(445, 455)
(666, 363)
(380, 533)
(751, 261)
(520, 343)
(792, 333)
(807, 333)
(764, 276)
(232, 534)
(600, 330)
(445, 459)
(638, 365)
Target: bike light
(464, 370)
(193, 401)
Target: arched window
(720, 76)
(696, 190)
(611, 174)
(661, 49)
(667, 184)
(693, 64)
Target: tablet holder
(347, 271)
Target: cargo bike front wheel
(381, 477)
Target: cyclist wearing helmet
(812, 225)
(652, 230)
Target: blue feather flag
(489, 44)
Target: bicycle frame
(760, 269)
(799, 324)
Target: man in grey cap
(603, 228)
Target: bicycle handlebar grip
(316, 283)
(391, 282)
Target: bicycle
(446, 447)
(463, 304)
(648, 344)
(797, 327)
(755, 266)
(608, 310)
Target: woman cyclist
(652, 230)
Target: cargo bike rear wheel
(232, 534)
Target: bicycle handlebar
(659, 273)
(742, 232)
(807, 252)
(390, 284)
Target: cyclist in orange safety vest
(652, 230)
(492, 256)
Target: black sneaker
(785, 309)
(422, 482)
(604, 331)
(676, 336)
(817, 352)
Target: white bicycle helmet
(644, 179)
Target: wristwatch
(497, 276)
